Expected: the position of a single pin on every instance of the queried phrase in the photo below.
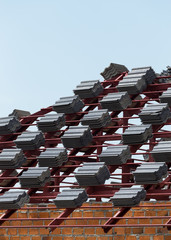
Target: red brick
(149, 230)
(131, 238)
(57, 231)
(167, 237)
(158, 237)
(89, 231)
(137, 230)
(77, 231)
(35, 238)
(77, 214)
(2, 231)
(22, 231)
(12, 231)
(120, 230)
(144, 237)
(25, 238)
(15, 238)
(67, 231)
(34, 231)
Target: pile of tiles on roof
(165, 73)
(113, 70)
(52, 157)
(35, 177)
(128, 196)
(115, 155)
(155, 113)
(92, 174)
(116, 101)
(11, 158)
(166, 97)
(150, 172)
(162, 152)
(96, 118)
(137, 134)
(136, 80)
(13, 199)
(88, 89)
(68, 105)
(9, 125)
(77, 137)
(71, 198)
(51, 122)
(30, 140)
(19, 113)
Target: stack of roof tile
(92, 174)
(155, 113)
(11, 158)
(52, 157)
(96, 118)
(116, 101)
(9, 125)
(115, 155)
(132, 85)
(35, 177)
(77, 137)
(71, 198)
(19, 113)
(30, 140)
(68, 105)
(150, 172)
(162, 152)
(137, 134)
(166, 97)
(147, 73)
(89, 89)
(13, 199)
(128, 196)
(51, 122)
(113, 70)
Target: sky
(47, 47)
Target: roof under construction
(109, 141)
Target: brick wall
(91, 233)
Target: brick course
(89, 233)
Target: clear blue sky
(48, 46)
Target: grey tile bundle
(11, 158)
(19, 113)
(35, 177)
(77, 137)
(51, 122)
(155, 113)
(89, 89)
(68, 105)
(92, 174)
(113, 70)
(52, 157)
(146, 73)
(162, 152)
(166, 97)
(132, 85)
(96, 118)
(71, 198)
(115, 155)
(30, 140)
(137, 134)
(116, 101)
(13, 199)
(9, 125)
(128, 196)
(150, 172)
